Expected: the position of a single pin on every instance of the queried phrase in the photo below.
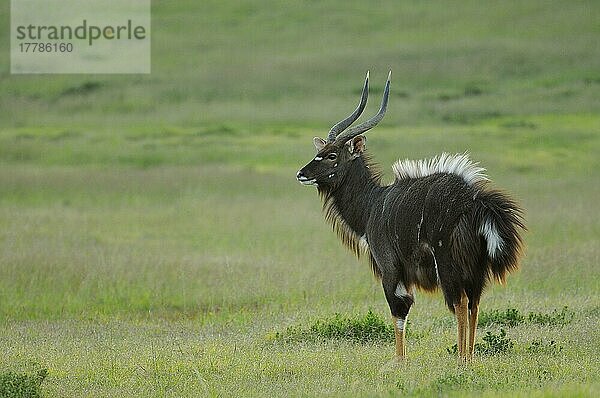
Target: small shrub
(510, 317)
(562, 317)
(452, 350)
(492, 344)
(83, 89)
(448, 97)
(472, 90)
(540, 347)
(22, 385)
(495, 343)
(359, 329)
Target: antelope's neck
(356, 195)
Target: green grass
(22, 385)
(168, 279)
(154, 241)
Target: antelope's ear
(357, 145)
(319, 143)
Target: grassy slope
(217, 61)
(153, 234)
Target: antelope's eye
(332, 156)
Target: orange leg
(461, 311)
(399, 326)
(472, 328)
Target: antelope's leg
(399, 324)
(400, 299)
(472, 328)
(462, 319)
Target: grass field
(154, 241)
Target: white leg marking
(400, 323)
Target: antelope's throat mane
(347, 235)
(361, 183)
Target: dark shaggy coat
(439, 224)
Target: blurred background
(301, 63)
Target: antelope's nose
(300, 176)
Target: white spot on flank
(492, 238)
(440, 243)
(458, 164)
(437, 273)
(335, 165)
(330, 175)
(419, 225)
(400, 324)
(401, 291)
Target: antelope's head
(335, 155)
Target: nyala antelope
(438, 225)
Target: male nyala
(438, 225)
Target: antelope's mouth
(306, 181)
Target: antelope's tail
(500, 222)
